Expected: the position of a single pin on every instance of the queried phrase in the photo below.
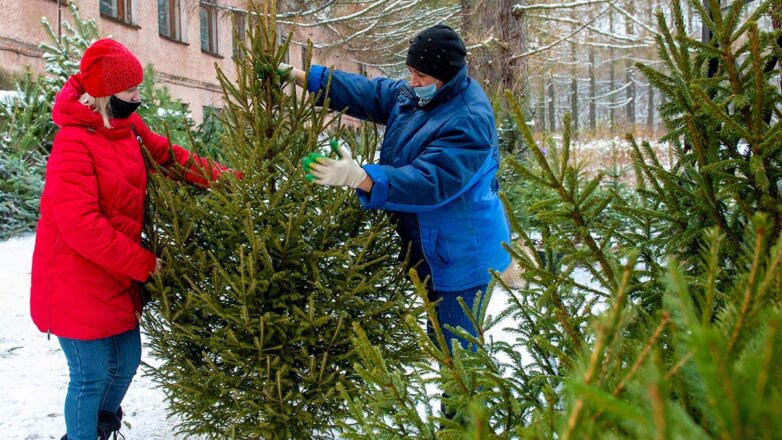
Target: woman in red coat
(88, 262)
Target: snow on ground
(33, 372)
(7, 97)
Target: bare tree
(511, 43)
(650, 108)
(552, 118)
(493, 35)
(541, 112)
(574, 109)
(612, 76)
(630, 69)
(374, 32)
(592, 90)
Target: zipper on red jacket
(48, 334)
(136, 310)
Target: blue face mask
(425, 93)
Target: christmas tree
(27, 128)
(264, 277)
(28, 131)
(660, 318)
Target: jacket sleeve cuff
(376, 198)
(315, 78)
(149, 266)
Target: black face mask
(119, 109)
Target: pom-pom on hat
(438, 52)
(107, 67)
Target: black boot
(109, 424)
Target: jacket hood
(69, 111)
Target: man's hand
(342, 172)
(285, 71)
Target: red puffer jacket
(88, 259)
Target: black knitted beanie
(438, 52)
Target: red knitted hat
(107, 67)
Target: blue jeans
(100, 373)
(450, 312)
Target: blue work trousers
(449, 312)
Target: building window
(208, 17)
(121, 10)
(212, 112)
(240, 33)
(282, 35)
(169, 16)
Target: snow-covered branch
(561, 40)
(519, 9)
(595, 29)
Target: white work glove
(511, 276)
(342, 172)
(285, 71)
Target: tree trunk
(573, 87)
(663, 100)
(491, 22)
(466, 34)
(540, 120)
(650, 109)
(690, 14)
(629, 69)
(521, 66)
(551, 114)
(612, 77)
(592, 90)
(775, 23)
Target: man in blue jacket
(437, 167)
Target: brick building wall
(180, 62)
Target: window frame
(209, 7)
(124, 10)
(175, 22)
(240, 24)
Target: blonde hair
(99, 105)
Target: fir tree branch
(531, 143)
(707, 183)
(760, 233)
(769, 349)
(605, 332)
(772, 270)
(712, 269)
(675, 370)
(645, 352)
(658, 409)
(757, 110)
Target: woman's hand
(158, 266)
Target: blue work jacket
(436, 172)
